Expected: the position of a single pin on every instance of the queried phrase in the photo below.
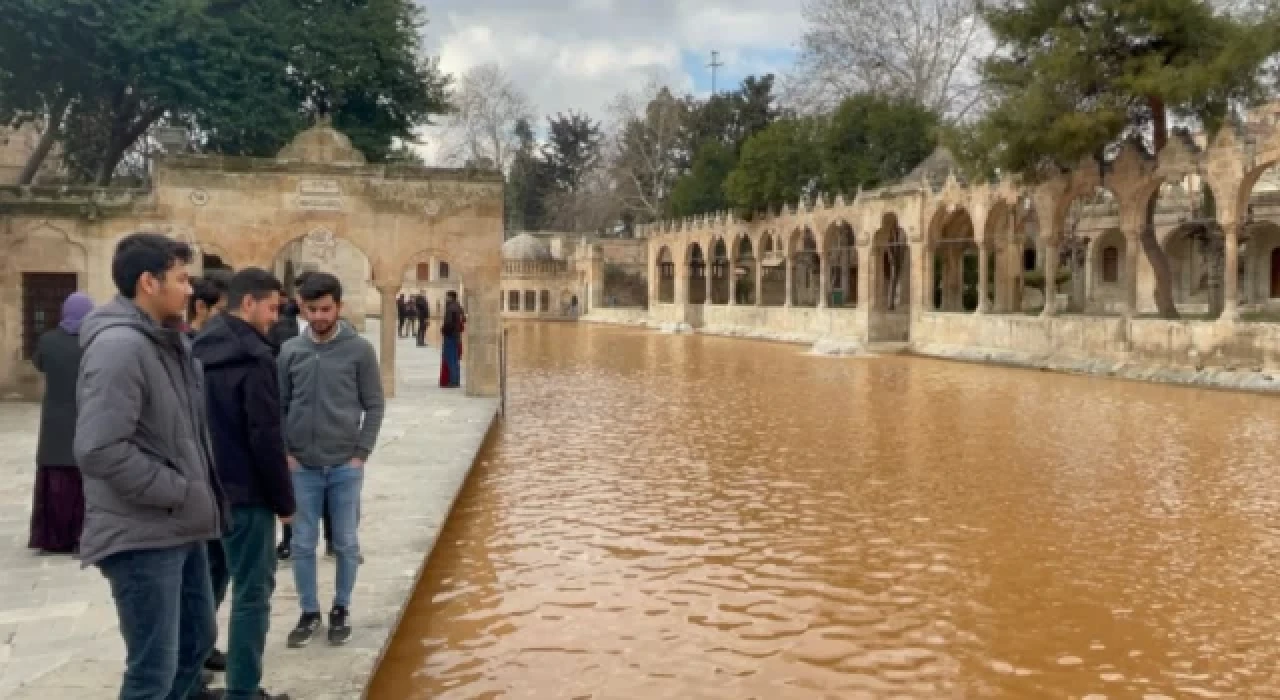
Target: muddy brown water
(693, 517)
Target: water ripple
(691, 517)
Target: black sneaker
(339, 627)
(264, 695)
(217, 661)
(283, 551)
(207, 693)
(306, 629)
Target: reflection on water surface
(692, 517)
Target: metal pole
(715, 64)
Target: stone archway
(320, 250)
(889, 272)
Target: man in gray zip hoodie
(331, 396)
(152, 497)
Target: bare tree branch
(644, 131)
(487, 105)
(922, 50)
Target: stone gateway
(318, 193)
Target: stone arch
(666, 276)
(1004, 252)
(1188, 232)
(805, 264)
(696, 264)
(1105, 271)
(721, 268)
(889, 281)
(323, 250)
(840, 255)
(1089, 211)
(773, 270)
(1260, 287)
(952, 273)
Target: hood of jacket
(123, 312)
(227, 340)
(346, 333)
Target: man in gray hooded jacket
(331, 397)
(152, 497)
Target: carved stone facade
(893, 264)
(312, 202)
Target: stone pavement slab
(58, 632)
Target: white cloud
(580, 54)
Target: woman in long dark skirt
(57, 514)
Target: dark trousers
(449, 355)
(400, 328)
(164, 600)
(219, 575)
(422, 332)
(251, 568)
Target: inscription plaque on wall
(319, 195)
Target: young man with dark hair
(151, 493)
(242, 388)
(208, 297)
(293, 323)
(331, 393)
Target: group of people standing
(192, 439)
(414, 316)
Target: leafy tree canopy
(1076, 76)
(777, 165)
(874, 140)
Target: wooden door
(42, 297)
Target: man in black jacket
(242, 388)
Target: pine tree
(1074, 77)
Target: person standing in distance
(331, 395)
(152, 498)
(244, 420)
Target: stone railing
(534, 268)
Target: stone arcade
(858, 270)
(249, 211)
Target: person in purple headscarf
(57, 515)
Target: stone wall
(1153, 342)
(247, 211)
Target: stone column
(387, 336)
(788, 263)
(706, 280)
(824, 280)
(1051, 265)
(759, 282)
(1129, 276)
(733, 284)
(983, 280)
(1231, 275)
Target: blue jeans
(311, 485)
(251, 559)
(449, 354)
(164, 600)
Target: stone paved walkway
(58, 634)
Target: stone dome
(322, 144)
(526, 247)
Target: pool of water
(693, 517)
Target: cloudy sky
(580, 53)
